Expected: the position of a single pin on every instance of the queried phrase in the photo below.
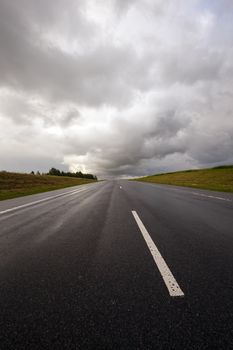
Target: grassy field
(16, 185)
(217, 179)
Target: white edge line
(208, 196)
(40, 201)
(169, 280)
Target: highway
(117, 265)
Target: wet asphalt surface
(76, 273)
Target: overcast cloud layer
(116, 88)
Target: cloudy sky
(116, 87)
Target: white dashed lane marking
(169, 280)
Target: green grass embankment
(16, 185)
(217, 179)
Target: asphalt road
(89, 268)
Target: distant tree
(37, 173)
(79, 174)
(89, 176)
(32, 172)
(54, 171)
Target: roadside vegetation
(217, 179)
(16, 185)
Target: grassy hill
(218, 178)
(16, 184)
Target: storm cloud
(116, 88)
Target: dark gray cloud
(100, 74)
(118, 88)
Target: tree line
(79, 174)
